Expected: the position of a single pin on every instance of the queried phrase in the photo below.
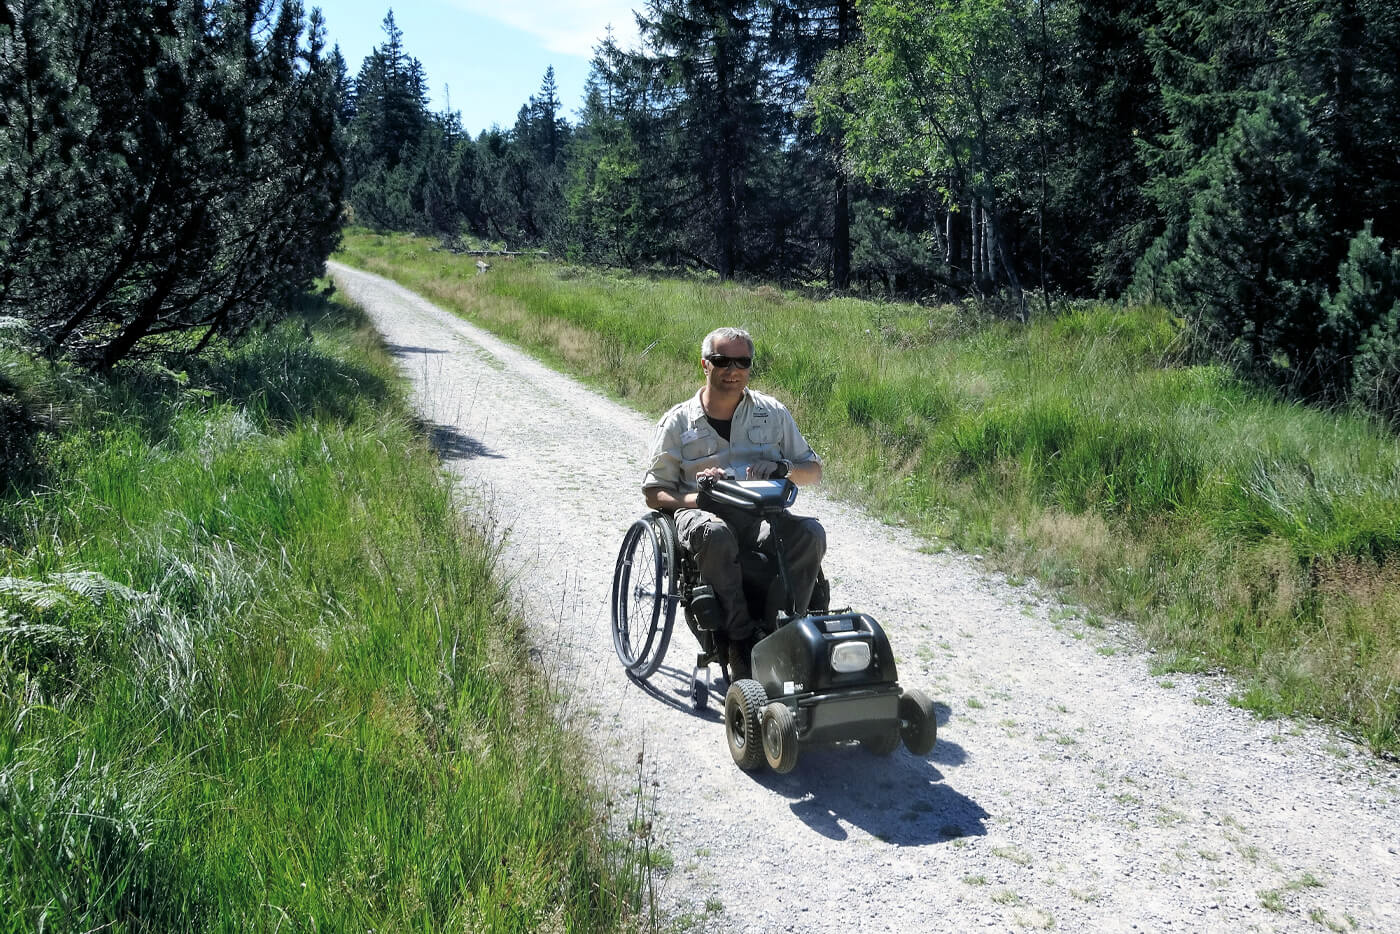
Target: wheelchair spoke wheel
(643, 595)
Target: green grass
(1239, 531)
(258, 673)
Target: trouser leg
(804, 545)
(715, 545)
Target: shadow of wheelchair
(671, 686)
(901, 799)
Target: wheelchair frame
(654, 576)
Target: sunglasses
(721, 362)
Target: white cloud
(570, 27)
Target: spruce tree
(1255, 234)
(709, 56)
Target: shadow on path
(671, 686)
(452, 445)
(404, 350)
(901, 799)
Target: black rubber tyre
(882, 745)
(918, 726)
(699, 694)
(643, 595)
(743, 708)
(779, 737)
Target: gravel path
(1071, 788)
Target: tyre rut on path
(1070, 788)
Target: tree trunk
(1344, 90)
(841, 236)
(1044, 155)
(976, 246)
(726, 163)
(841, 219)
(989, 253)
(996, 240)
(154, 304)
(950, 242)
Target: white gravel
(1070, 788)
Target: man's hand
(665, 500)
(764, 470)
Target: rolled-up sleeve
(665, 455)
(795, 446)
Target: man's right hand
(664, 500)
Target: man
(727, 429)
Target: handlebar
(759, 497)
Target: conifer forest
(173, 168)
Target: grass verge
(256, 670)
(1239, 531)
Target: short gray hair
(707, 346)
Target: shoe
(739, 667)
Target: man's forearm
(807, 474)
(664, 500)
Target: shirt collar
(697, 408)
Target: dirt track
(1070, 787)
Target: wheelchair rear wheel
(644, 594)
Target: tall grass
(1240, 531)
(258, 673)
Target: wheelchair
(819, 677)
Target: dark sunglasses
(720, 361)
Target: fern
(60, 589)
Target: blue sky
(490, 54)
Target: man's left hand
(764, 470)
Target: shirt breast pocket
(764, 434)
(699, 448)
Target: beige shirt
(685, 442)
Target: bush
(1362, 332)
(1254, 241)
(178, 175)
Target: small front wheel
(779, 737)
(699, 694)
(918, 726)
(743, 706)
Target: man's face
(730, 379)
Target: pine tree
(390, 123)
(1102, 218)
(1362, 329)
(803, 34)
(202, 191)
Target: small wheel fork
(700, 684)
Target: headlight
(850, 656)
